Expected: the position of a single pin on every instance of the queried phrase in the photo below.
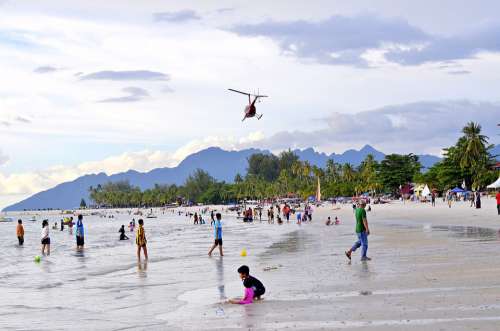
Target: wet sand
(432, 269)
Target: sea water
(104, 286)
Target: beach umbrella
(426, 191)
(496, 184)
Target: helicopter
(250, 109)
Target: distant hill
(354, 157)
(221, 164)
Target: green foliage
(266, 166)
(468, 160)
(396, 170)
(196, 184)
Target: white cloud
(3, 158)
(419, 127)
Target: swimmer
(45, 238)
(280, 221)
(328, 221)
(80, 234)
(141, 241)
(20, 232)
(122, 233)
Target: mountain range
(222, 165)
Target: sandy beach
(433, 268)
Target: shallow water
(104, 286)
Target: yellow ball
(243, 252)
(38, 259)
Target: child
(254, 288)
(217, 235)
(70, 225)
(328, 221)
(299, 218)
(337, 221)
(141, 241)
(20, 232)
(247, 298)
(122, 233)
(80, 239)
(45, 237)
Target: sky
(92, 86)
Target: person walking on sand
(140, 240)
(478, 200)
(498, 201)
(20, 232)
(80, 234)
(45, 237)
(362, 231)
(217, 235)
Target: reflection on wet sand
(295, 241)
(142, 268)
(219, 269)
(474, 233)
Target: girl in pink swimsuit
(248, 299)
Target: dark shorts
(21, 240)
(218, 242)
(46, 241)
(80, 241)
(259, 292)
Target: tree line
(271, 176)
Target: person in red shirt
(498, 201)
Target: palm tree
(348, 172)
(473, 145)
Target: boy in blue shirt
(217, 235)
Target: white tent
(426, 191)
(496, 184)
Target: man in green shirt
(362, 231)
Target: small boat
(6, 219)
(151, 216)
(33, 219)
